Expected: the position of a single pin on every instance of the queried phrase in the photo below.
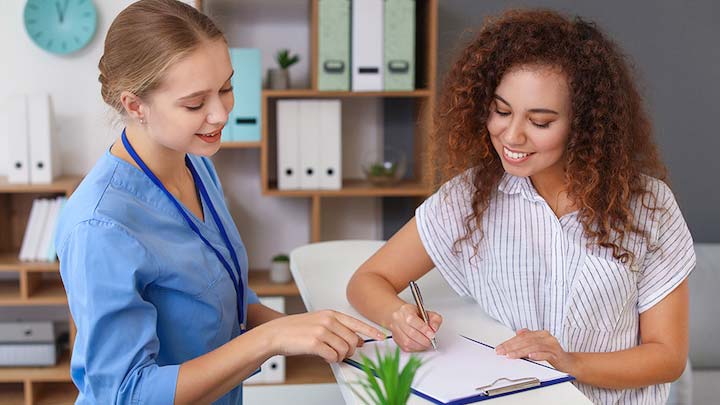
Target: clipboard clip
(518, 384)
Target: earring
(142, 121)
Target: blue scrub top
(145, 292)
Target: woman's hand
(410, 332)
(328, 334)
(539, 346)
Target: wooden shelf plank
(310, 93)
(63, 184)
(259, 281)
(9, 262)
(357, 188)
(240, 145)
(58, 372)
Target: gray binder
(399, 45)
(334, 45)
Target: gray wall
(674, 45)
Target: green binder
(399, 44)
(334, 45)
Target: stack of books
(37, 243)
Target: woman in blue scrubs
(153, 265)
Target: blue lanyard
(237, 284)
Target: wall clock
(60, 26)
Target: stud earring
(142, 121)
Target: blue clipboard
(526, 384)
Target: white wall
(268, 225)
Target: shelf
(357, 188)
(12, 394)
(46, 292)
(259, 282)
(57, 373)
(240, 145)
(55, 393)
(310, 93)
(305, 370)
(10, 262)
(63, 184)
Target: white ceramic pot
(280, 272)
(278, 79)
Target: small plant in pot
(384, 382)
(279, 79)
(280, 269)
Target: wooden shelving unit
(37, 284)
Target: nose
(514, 134)
(218, 112)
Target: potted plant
(280, 269)
(393, 387)
(279, 79)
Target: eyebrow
(532, 110)
(201, 92)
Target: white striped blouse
(533, 270)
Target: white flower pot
(280, 272)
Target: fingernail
(430, 335)
(500, 351)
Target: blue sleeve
(105, 272)
(252, 297)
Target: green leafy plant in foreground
(391, 386)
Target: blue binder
(487, 392)
(244, 121)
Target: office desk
(322, 272)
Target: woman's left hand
(540, 346)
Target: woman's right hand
(410, 332)
(329, 334)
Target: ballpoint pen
(421, 309)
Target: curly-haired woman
(555, 217)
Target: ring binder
(520, 384)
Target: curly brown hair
(610, 143)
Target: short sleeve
(252, 297)
(440, 222)
(671, 257)
(105, 272)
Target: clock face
(60, 26)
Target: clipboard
(465, 370)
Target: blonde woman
(153, 265)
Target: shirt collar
(510, 184)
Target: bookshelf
(32, 284)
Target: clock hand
(60, 11)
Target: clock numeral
(87, 14)
(49, 44)
(33, 6)
(64, 45)
(81, 1)
(32, 21)
(37, 34)
(77, 40)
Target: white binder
(43, 155)
(288, 145)
(272, 371)
(36, 224)
(309, 111)
(330, 145)
(48, 231)
(367, 45)
(16, 131)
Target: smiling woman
(553, 215)
(154, 267)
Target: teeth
(514, 155)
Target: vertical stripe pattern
(534, 270)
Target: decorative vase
(280, 272)
(278, 79)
